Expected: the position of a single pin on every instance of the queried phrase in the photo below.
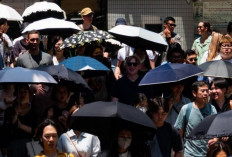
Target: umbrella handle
(70, 54)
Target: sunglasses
(193, 59)
(200, 27)
(172, 25)
(130, 64)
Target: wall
(141, 12)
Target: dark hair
(39, 130)
(32, 32)
(155, 104)
(216, 148)
(3, 21)
(219, 83)
(140, 97)
(54, 90)
(175, 47)
(198, 84)
(169, 18)
(57, 38)
(207, 25)
(229, 29)
(189, 52)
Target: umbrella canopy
(107, 117)
(218, 125)
(9, 13)
(81, 63)
(85, 37)
(139, 38)
(218, 68)
(52, 25)
(170, 72)
(42, 10)
(24, 75)
(72, 79)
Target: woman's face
(201, 28)
(217, 93)
(57, 46)
(124, 139)
(62, 94)
(23, 95)
(226, 51)
(221, 154)
(49, 138)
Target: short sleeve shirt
(196, 148)
(201, 48)
(168, 139)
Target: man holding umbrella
(87, 17)
(191, 115)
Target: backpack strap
(187, 114)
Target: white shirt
(127, 51)
(87, 145)
(55, 61)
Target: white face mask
(124, 142)
(143, 109)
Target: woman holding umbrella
(19, 122)
(58, 54)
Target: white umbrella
(24, 75)
(41, 10)
(138, 37)
(9, 13)
(52, 24)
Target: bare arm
(114, 99)
(178, 154)
(117, 72)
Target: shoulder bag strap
(73, 145)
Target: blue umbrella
(80, 63)
(170, 72)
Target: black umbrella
(218, 125)
(218, 68)
(70, 78)
(104, 119)
(85, 37)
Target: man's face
(159, 117)
(87, 18)
(226, 51)
(4, 27)
(49, 138)
(176, 57)
(191, 59)
(33, 41)
(132, 67)
(170, 25)
(202, 94)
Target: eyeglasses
(130, 64)
(226, 45)
(172, 25)
(200, 27)
(34, 39)
(193, 59)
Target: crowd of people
(42, 113)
